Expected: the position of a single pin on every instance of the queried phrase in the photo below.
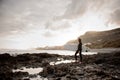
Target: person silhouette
(79, 50)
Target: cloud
(57, 25)
(49, 34)
(76, 8)
(1, 1)
(115, 17)
(53, 18)
(109, 9)
(16, 15)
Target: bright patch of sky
(37, 23)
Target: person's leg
(80, 54)
(76, 55)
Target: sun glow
(90, 21)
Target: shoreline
(14, 51)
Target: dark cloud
(1, 1)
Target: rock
(74, 78)
(60, 74)
(33, 75)
(58, 78)
(27, 79)
(45, 63)
(92, 69)
(20, 74)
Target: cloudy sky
(37, 23)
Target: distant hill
(93, 40)
(100, 39)
(51, 48)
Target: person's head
(79, 40)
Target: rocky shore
(101, 66)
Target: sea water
(60, 52)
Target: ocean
(60, 52)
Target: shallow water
(29, 70)
(35, 71)
(32, 71)
(63, 61)
(38, 78)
